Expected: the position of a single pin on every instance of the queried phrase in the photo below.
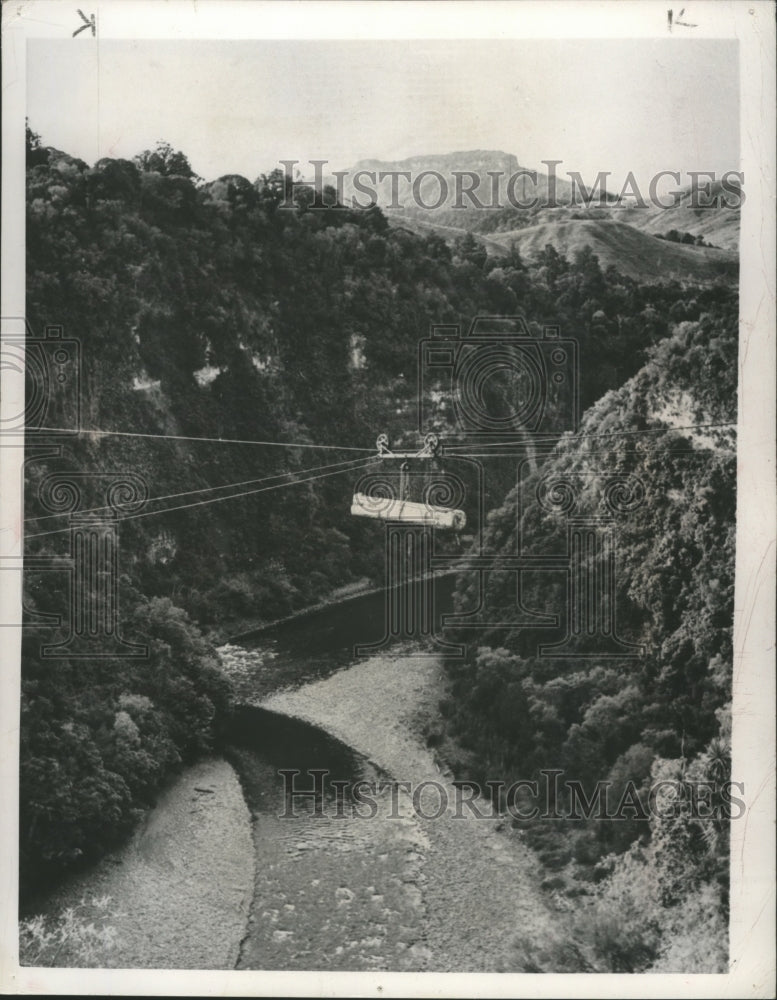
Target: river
(315, 643)
(405, 884)
(336, 887)
(265, 881)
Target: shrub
(78, 937)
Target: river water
(335, 885)
(318, 642)
(338, 882)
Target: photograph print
(377, 468)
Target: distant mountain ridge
(474, 159)
(621, 233)
(494, 170)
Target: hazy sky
(240, 107)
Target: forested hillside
(629, 723)
(205, 310)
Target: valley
(239, 358)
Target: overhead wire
(355, 462)
(184, 437)
(232, 496)
(454, 449)
(558, 438)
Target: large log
(407, 511)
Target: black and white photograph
(388, 499)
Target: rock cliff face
(441, 181)
(479, 160)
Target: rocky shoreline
(178, 893)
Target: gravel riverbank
(208, 883)
(180, 890)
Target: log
(384, 509)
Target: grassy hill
(637, 254)
(718, 226)
(614, 232)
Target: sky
(242, 106)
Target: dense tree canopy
(626, 722)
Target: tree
(165, 160)
(273, 189)
(35, 152)
(554, 264)
(513, 258)
(471, 250)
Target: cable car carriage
(410, 487)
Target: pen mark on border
(88, 23)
